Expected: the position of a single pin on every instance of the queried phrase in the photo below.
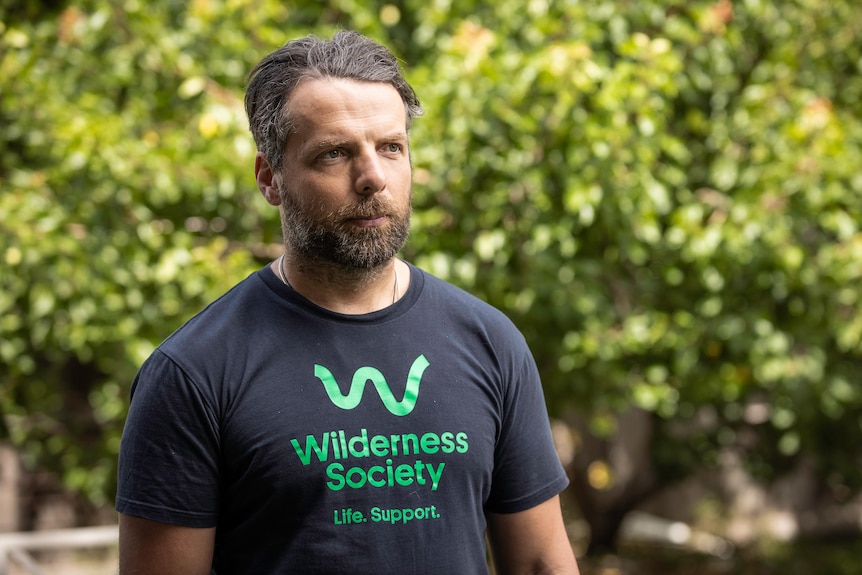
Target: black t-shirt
(317, 442)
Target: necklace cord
(283, 277)
(281, 271)
(395, 288)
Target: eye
(393, 148)
(331, 155)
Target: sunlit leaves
(680, 188)
(666, 199)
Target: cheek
(402, 177)
(309, 201)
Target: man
(339, 411)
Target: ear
(266, 180)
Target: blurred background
(666, 197)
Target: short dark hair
(347, 55)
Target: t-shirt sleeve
(527, 469)
(168, 464)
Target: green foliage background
(666, 198)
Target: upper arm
(149, 547)
(533, 541)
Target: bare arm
(153, 548)
(532, 542)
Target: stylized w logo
(365, 374)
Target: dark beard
(329, 239)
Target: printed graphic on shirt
(368, 373)
(360, 459)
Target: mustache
(366, 209)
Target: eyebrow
(332, 143)
(320, 145)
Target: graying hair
(348, 55)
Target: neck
(347, 291)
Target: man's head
(345, 184)
(331, 122)
(348, 55)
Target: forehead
(340, 107)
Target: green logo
(366, 374)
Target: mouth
(369, 214)
(368, 221)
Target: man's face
(345, 185)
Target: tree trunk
(626, 457)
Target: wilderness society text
(336, 445)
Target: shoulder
(228, 321)
(471, 314)
(235, 304)
(459, 297)
(212, 347)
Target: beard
(320, 236)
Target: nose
(370, 176)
